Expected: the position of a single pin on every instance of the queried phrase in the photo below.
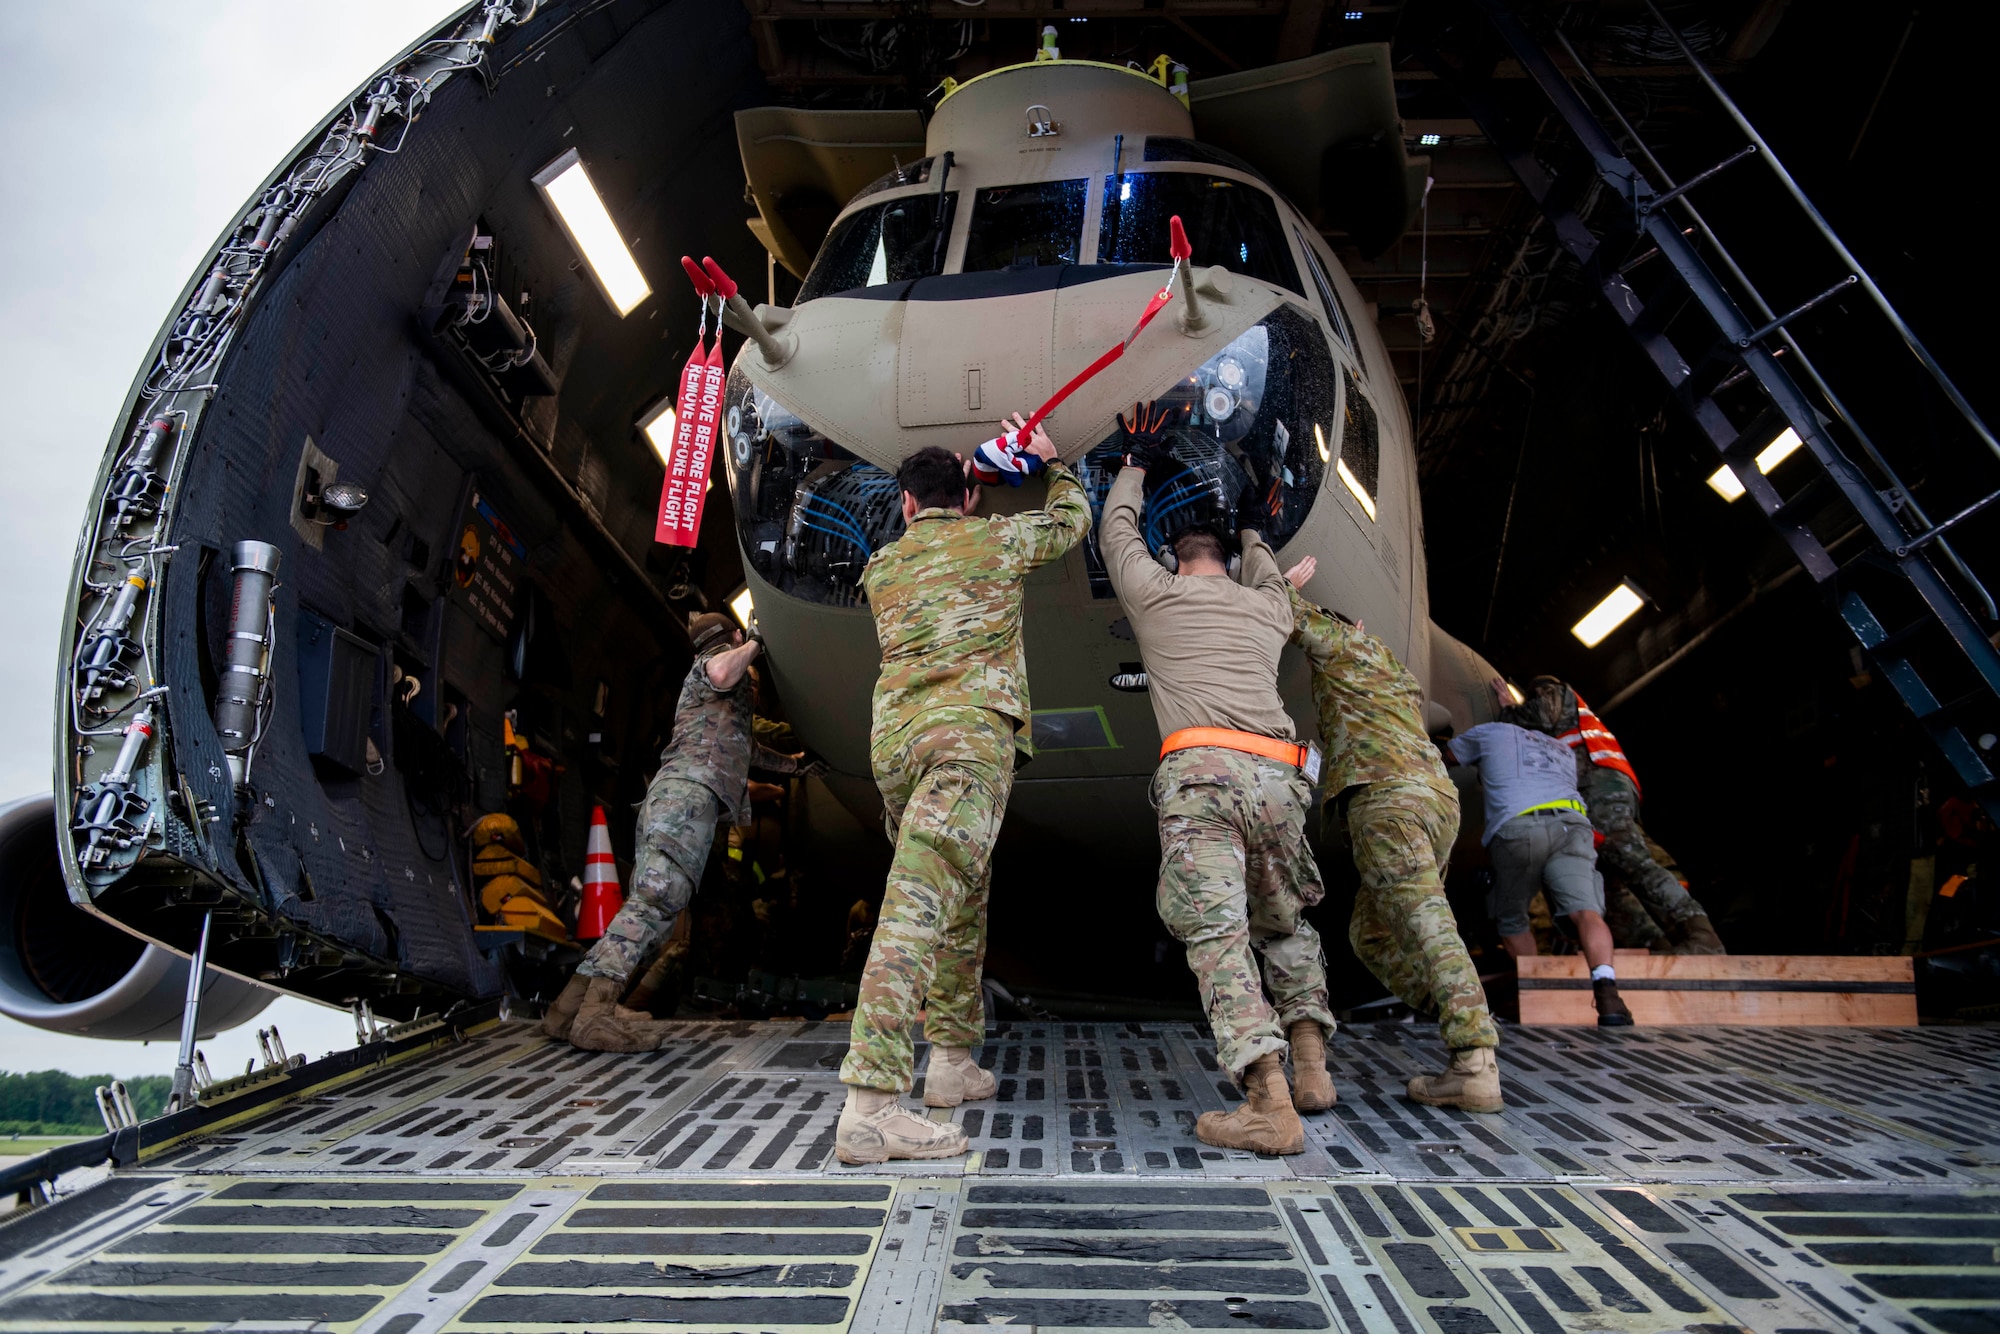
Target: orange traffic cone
(601, 897)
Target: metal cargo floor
(1687, 1179)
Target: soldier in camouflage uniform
(1401, 817)
(1236, 874)
(950, 724)
(704, 774)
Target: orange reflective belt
(1287, 752)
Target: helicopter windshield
(1229, 222)
(1025, 226)
(882, 244)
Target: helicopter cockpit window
(1168, 148)
(809, 513)
(1248, 428)
(1359, 464)
(1025, 226)
(1336, 314)
(883, 244)
(1228, 222)
(910, 173)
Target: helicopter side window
(1229, 222)
(1025, 226)
(883, 244)
(1359, 462)
(1336, 314)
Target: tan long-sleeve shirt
(1210, 644)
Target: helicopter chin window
(884, 243)
(1229, 222)
(1244, 428)
(808, 513)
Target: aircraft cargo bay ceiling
(407, 410)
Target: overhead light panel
(659, 426)
(1616, 608)
(575, 200)
(1724, 481)
(1429, 140)
(743, 607)
(1778, 450)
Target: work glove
(1143, 439)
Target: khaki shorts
(1554, 851)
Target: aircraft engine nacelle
(69, 972)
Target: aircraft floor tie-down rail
(1738, 369)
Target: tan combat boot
(1312, 1086)
(954, 1077)
(1471, 1082)
(1266, 1122)
(875, 1127)
(1696, 936)
(602, 1024)
(562, 1011)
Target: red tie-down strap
(1016, 443)
(697, 415)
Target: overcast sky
(135, 133)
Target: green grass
(33, 1144)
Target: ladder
(1737, 369)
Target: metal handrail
(1906, 499)
(1881, 301)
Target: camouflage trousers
(1235, 876)
(1614, 810)
(676, 825)
(944, 776)
(1403, 928)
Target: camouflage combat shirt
(947, 602)
(712, 743)
(1371, 710)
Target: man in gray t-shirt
(1539, 836)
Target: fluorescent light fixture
(1608, 615)
(1430, 140)
(1354, 485)
(659, 426)
(575, 200)
(1724, 480)
(1319, 438)
(743, 607)
(1353, 14)
(1778, 450)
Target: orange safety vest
(1595, 738)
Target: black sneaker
(1611, 1011)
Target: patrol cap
(708, 627)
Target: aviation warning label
(486, 569)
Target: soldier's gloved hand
(811, 765)
(1143, 437)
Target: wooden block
(1667, 990)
